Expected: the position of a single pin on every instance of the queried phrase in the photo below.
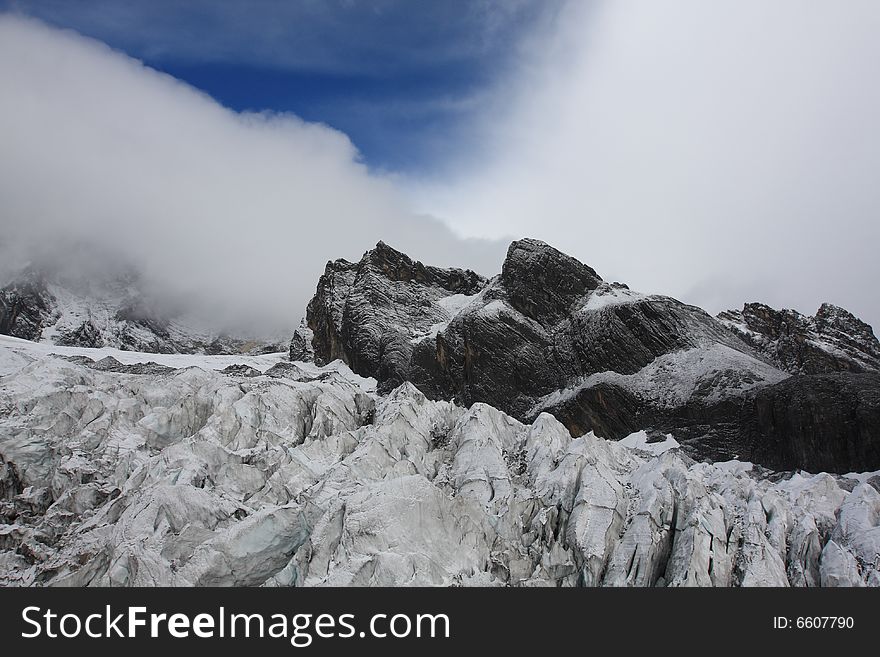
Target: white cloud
(718, 151)
(241, 211)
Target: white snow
(432, 332)
(862, 477)
(29, 351)
(16, 353)
(673, 378)
(639, 441)
(606, 295)
(455, 302)
(493, 308)
(451, 305)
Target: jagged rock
(292, 371)
(833, 340)
(301, 344)
(26, 307)
(368, 313)
(548, 334)
(241, 370)
(545, 323)
(198, 478)
(10, 484)
(544, 284)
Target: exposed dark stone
(79, 360)
(137, 313)
(86, 335)
(521, 336)
(110, 364)
(25, 307)
(367, 314)
(822, 422)
(10, 482)
(301, 344)
(543, 283)
(41, 302)
(291, 371)
(240, 370)
(833, 340)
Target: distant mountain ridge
(833, 340)
(108, 310)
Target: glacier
(129, 469)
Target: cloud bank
(717, 151)
(236, 211)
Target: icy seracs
(293, 474)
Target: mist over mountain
(236, 210)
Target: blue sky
(401, 78)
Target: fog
(720, 152)
(236, 212)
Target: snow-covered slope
(16, 353)
(276, 473)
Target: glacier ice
(306, 476)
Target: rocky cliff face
(548, 334)
(827, 420)
(26, 307)
(371, 314)
(276, 474)
(833, 340)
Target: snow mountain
(833, 340)
(109, 310)
(432, 426)
(549, 335)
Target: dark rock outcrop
(368, 313)
(301, 344)
(544, 284)
(26, 306)
(830, 421)
(548, 334)
(833, 340)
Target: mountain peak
(543, 282)
(548, 334)
(833, 340)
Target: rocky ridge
(549, 335)
(833, 340)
